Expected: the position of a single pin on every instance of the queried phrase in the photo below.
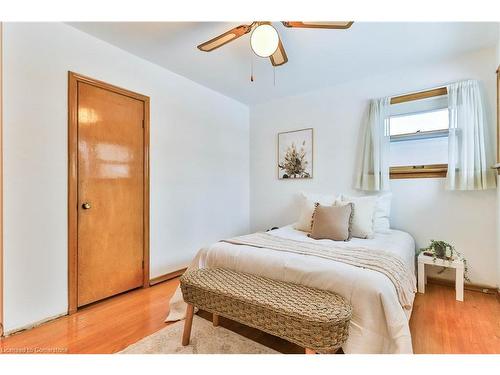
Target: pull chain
(251, 71)
(251, 67)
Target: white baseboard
(33, 325)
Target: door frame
(1, 181)
(73, 80)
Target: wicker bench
(314, 319)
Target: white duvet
(379, 324)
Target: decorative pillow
(364, 210)
(332, 222)
(381, 219)
(304, 223)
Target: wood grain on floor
(104, 327)
(439, 324)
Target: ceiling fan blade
(279, 57)
(319, 25)
(225, 38)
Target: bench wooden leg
(215, 320)
(187, 324)
(310, 351)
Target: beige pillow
(332, 222)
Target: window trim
(419, 95)
(418, 171)
(420, 135)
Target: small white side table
(456, 263)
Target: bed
(379, 324)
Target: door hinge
(143, 124)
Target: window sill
(418, 171)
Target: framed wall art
(295, 154)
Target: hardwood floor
(104, 327)
(439, 324)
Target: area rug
(205, 339)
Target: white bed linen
(379, 323)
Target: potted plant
(445, 251)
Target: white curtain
(373, 169)
(468, 164)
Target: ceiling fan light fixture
(264, 40)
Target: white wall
(421, 207)
(498, 177)
(199, 161)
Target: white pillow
(364, 212)
(381, 220)
(307, 201)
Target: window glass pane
(419, 106)
(419, 122)
(419, 152)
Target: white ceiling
(317, 58)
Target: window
(420, 122)
(418, 127)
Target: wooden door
(1, 180)
(110, 192)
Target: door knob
(86, 206)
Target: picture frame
(295, 154)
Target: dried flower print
(293, 161)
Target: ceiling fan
(264, 40)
